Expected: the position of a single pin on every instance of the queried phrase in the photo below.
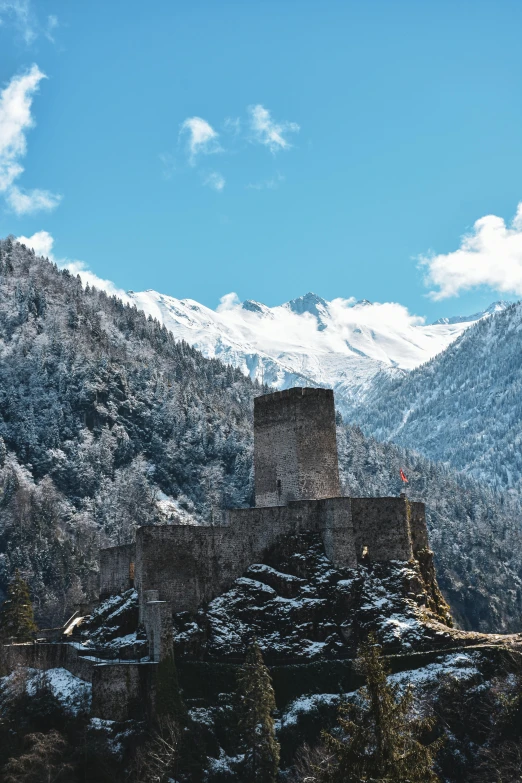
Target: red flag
(403, 477)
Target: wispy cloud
(168, 162)
(215, 180)
(232, 125)
(33, 201)
(50, 26)
(491, 255)
(25, 20)
(21, 13)
(15, 120)
(269, 132)
(42, 242)
(202, 138)
(267, 184)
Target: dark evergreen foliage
(379, 739)
(256, 723)
(16, 614)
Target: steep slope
(463, 407)
(343, 344)
(108, 422)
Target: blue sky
(270, 148)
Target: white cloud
(215, 180)
(33, 201)
(269, 132)
(15, 119)
(491, 255)
(388, 316)
(202, 138)
(228, 302)
(42, 243)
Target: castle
(179, 567)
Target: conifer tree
(256, 723)
(380, 742)
(16, 615)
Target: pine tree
(256, 724)
(380, 742)
(16, 615)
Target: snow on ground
(173, 512)
(460, 666)
(73, 693)
(306, 704)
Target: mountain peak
(494, 307)
(308, 303)
(253, 306)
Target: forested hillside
(108, 423)
(464, 407)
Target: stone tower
(295, 446)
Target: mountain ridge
(343, 344)
(107, 422)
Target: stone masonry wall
(46, 656)
(122, 691)
(295, 454)
(418, 528)
(381, 525)
(190, 565)
(116, 566)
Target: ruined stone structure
(296, 490)
(178, 567)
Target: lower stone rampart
(47, 656)
(121, 691)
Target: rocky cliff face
(301, 609)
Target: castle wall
(338, 532)
(418, 527)
(381, 525)
(295, 455)
(46, 656)
(121, 691)
(190, 565)
(116, 569)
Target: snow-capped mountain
(463, 407)
(343, 344)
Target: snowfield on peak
(341, 344)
